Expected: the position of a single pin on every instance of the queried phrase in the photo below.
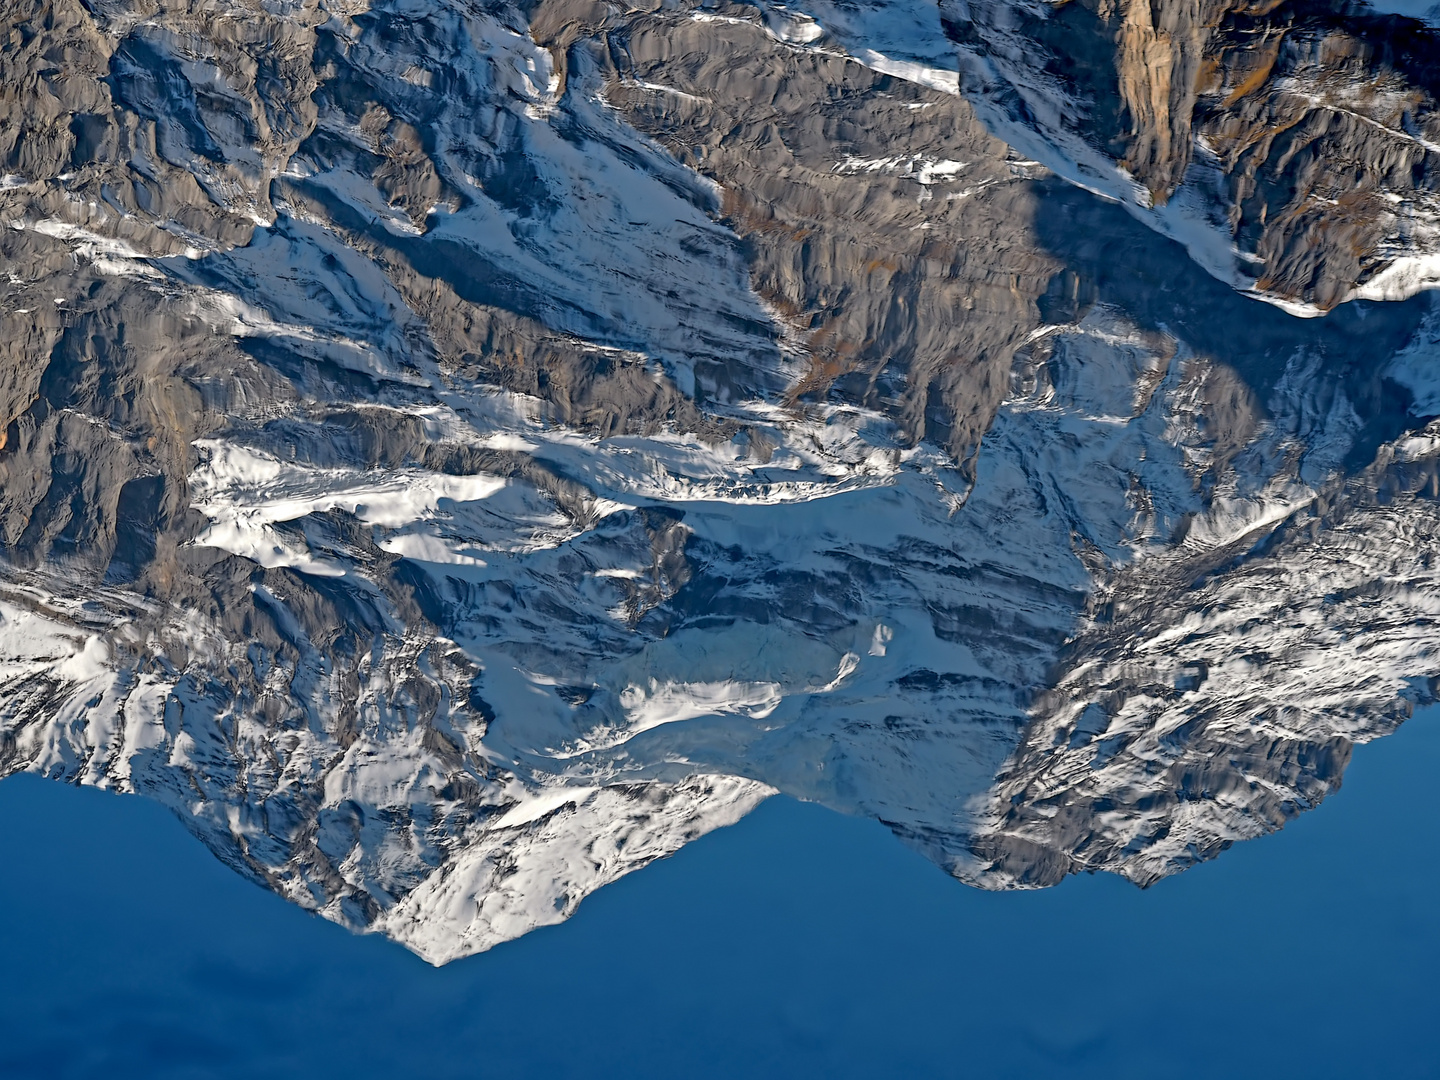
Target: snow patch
(671, 703)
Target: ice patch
(31, 643)
(536, 807)
(239, 481)
(881, 639)
(499, 888)
(245, 491)
(903, 40)
(1403, 278)
(110, 256)
(917, 167)
(671, 702)
(946, 81)
(426, 547)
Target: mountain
(457, 453)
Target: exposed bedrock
(1294, 147)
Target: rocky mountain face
(456, 453)
(1294, 148)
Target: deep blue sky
(798, 943)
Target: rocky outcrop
(1291, 146)
(884, 228)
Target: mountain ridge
(457, 454)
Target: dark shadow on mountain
(1111, 258)
(1061, 804)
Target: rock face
(1294, 148)
(455, 454)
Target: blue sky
(798, 943)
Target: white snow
(31, 643)
(946, 81)
(670, 703)
(546, 802)
(1403, 278)
(244, 491)
(501, 887)
(880, 640)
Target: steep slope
(1292, 147)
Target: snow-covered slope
(455, 458)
